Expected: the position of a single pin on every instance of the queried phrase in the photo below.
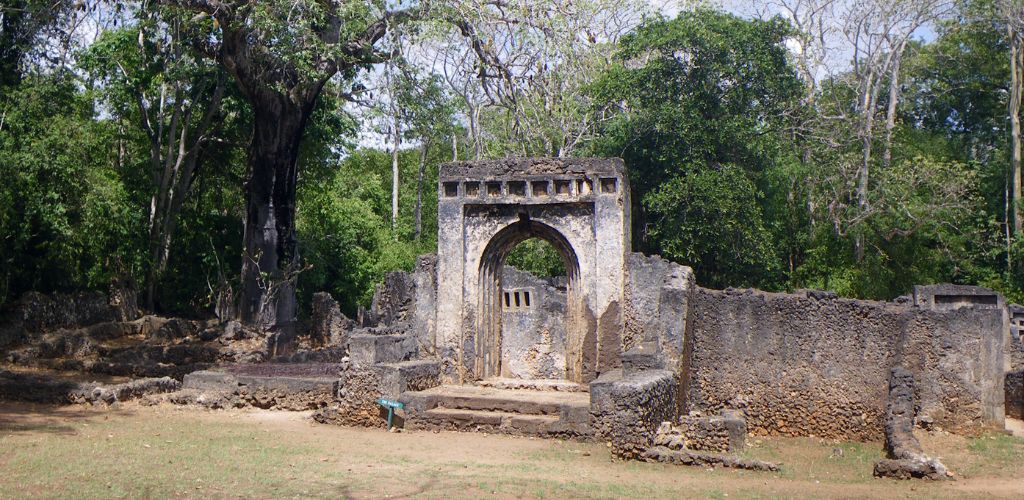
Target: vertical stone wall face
(533, 334)
(657, 305)
(811, 364)
(628, 409)
(956, 356)
(1015, 394)
(1014, 397)
(1015, 347)
(424, 308)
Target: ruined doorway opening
(527, 324)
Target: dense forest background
(860, 147)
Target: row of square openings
(516, 299)
(557, 187)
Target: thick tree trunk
(1016, 63)
(11, 46)
(271, 262)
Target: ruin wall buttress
(812, 364)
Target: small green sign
(387, 403)
(391, 406)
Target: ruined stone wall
(657, 305)
(628, 408)
(35, 313)
(1015, 394)
(956, 357)
(1015, 346)
(812, 364)
(532, 327)
(721, 433)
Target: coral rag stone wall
(1014, 398)
(627, 409)
(726, 432)
(532, 327)
(814, 365)
(657, 305)
(35, 312)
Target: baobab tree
(281, 55)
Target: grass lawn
(167, 451)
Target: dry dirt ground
(167, 451)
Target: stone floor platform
(535, 384)
(507, 411)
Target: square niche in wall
(494, 189)
(539, 188)
(517, 188)
(562, 186)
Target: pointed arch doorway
(490, 355)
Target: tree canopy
(230, 155)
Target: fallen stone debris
(688, 457)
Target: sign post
(391, 406)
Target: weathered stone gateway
(582, 209)
(625, 348)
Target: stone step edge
(496, 403)
(488, 414)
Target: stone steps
(533, 385)
(486, 409)
(494, 421)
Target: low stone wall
(721, 433)
(55, 389)
(329, 327)
(35, 313)
(815, 365)
(110, 394)
(273, 385)
(628, 409)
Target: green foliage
(344, 224)
(697, 102)
(736, 169)
(66, 219)
(537, 257)
(711, 218)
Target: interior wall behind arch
(533, 326)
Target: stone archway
(581, 206)
(489, 332)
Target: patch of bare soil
(264, 453)
(1015, 426)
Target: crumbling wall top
(525, 167)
